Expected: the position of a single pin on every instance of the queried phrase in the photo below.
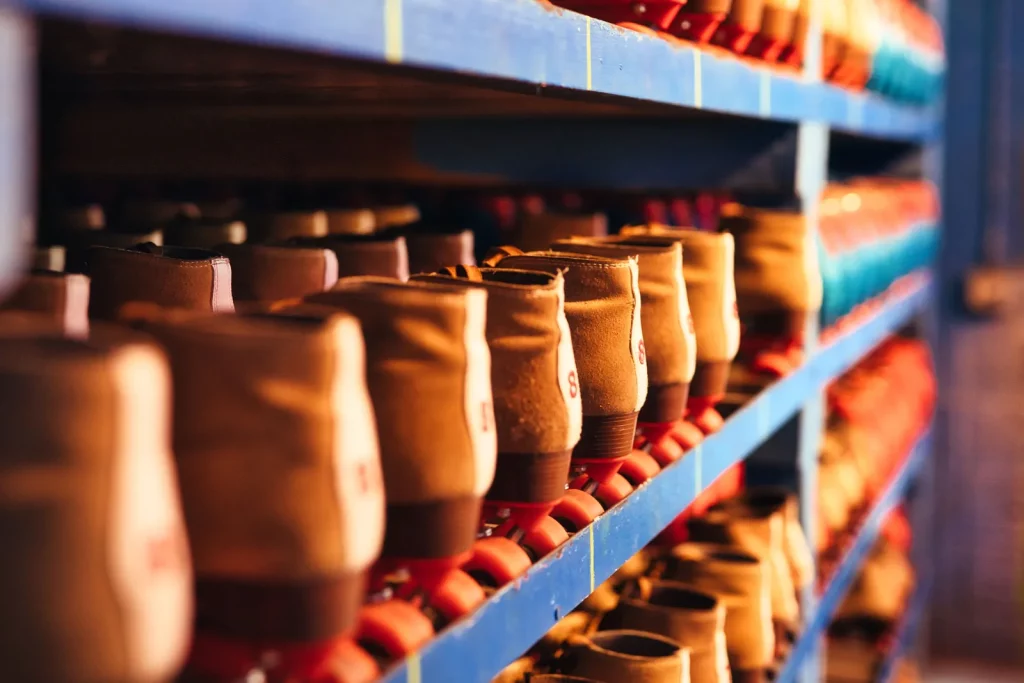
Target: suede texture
(761, 533)
(635, 656)
(537, 231)
(282, 225)
(268, 273)
(784, 502)
(776, 262)
(190, 279)
(66, 619)
(360, 255)
(686, 616)
(429, 252)
(60, 297)
(709, 287)
(599, 305)
(532, 413)
(670, 359)
(417, 371)
(279, 469)
(742, 583)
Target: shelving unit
(473, 93)
(846, 572)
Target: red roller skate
(700, 19)
(644, 14)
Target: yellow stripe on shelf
(590, 72)
(393, 31)
(590, 533)
(698, 475)
(765, 102)
(412, 668)
(698, 87)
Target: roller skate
(621, 655)
(602, 306)
(778, 22)
(97, 580)
(711, 292)
(778, 287)
(670, 346)
(263, 274)
(537, 412)
(835, 37)
(375, 255)
(741, 582)
(740, 26)
(428, 364)
(429, 251)
(274, 226)
(687, 616)
(654, 15)
(863, 28)
(536, 230)
(168, 277)
(63, 298)
(700, 20)
(792, 53)
(282, 488)
(204, 232)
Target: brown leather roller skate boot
(538, 230)
(699, 20)
(96, 581)
(170, 277)
(350, 221)
(537, 413)
(602, 306)
(262, 274)
(778, 285)
(205, 233)
(429, 374)
(743, 22)
(691, 618)
(742, 583)
(670, 345)
(711, 291)
(430, 251)
(623, 655)
(62, 298)
(778, 21)
(759, 531)
(80, 244)
(274, 226)
(281, 484)
(395, 215)
(369, 255)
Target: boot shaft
(364, 255)
(262, 273)
(280, 472)
(274, 226)
(350, 221)
(62, 298)
(538, 230)
(170, 277)
(534, 379)
(79, 245)
(711, 290)
(628, 656)
(429, 251)
(428, 364)
(669, 341)
(602, 306)
(777, 274)
(97, 586)
(205, 233)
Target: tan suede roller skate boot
(62, 298)
(537, 412)
(262, 274)
(429, 375)
(627, 656)
(96, 583)
(431, 251)
(602, 306)
(281, 483)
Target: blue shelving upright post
(17, 134)
(811, 172)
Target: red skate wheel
(456, 595)
(497, 561)
(772, 363)
(639, 467)
(708, 421)
(613, 491)
(544, 538)
(686, 434)
(576, 510)
(393, 629)
(349, 663)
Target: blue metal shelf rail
(514, 40)
(478, 647)
(907, 632)
(854, 558)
